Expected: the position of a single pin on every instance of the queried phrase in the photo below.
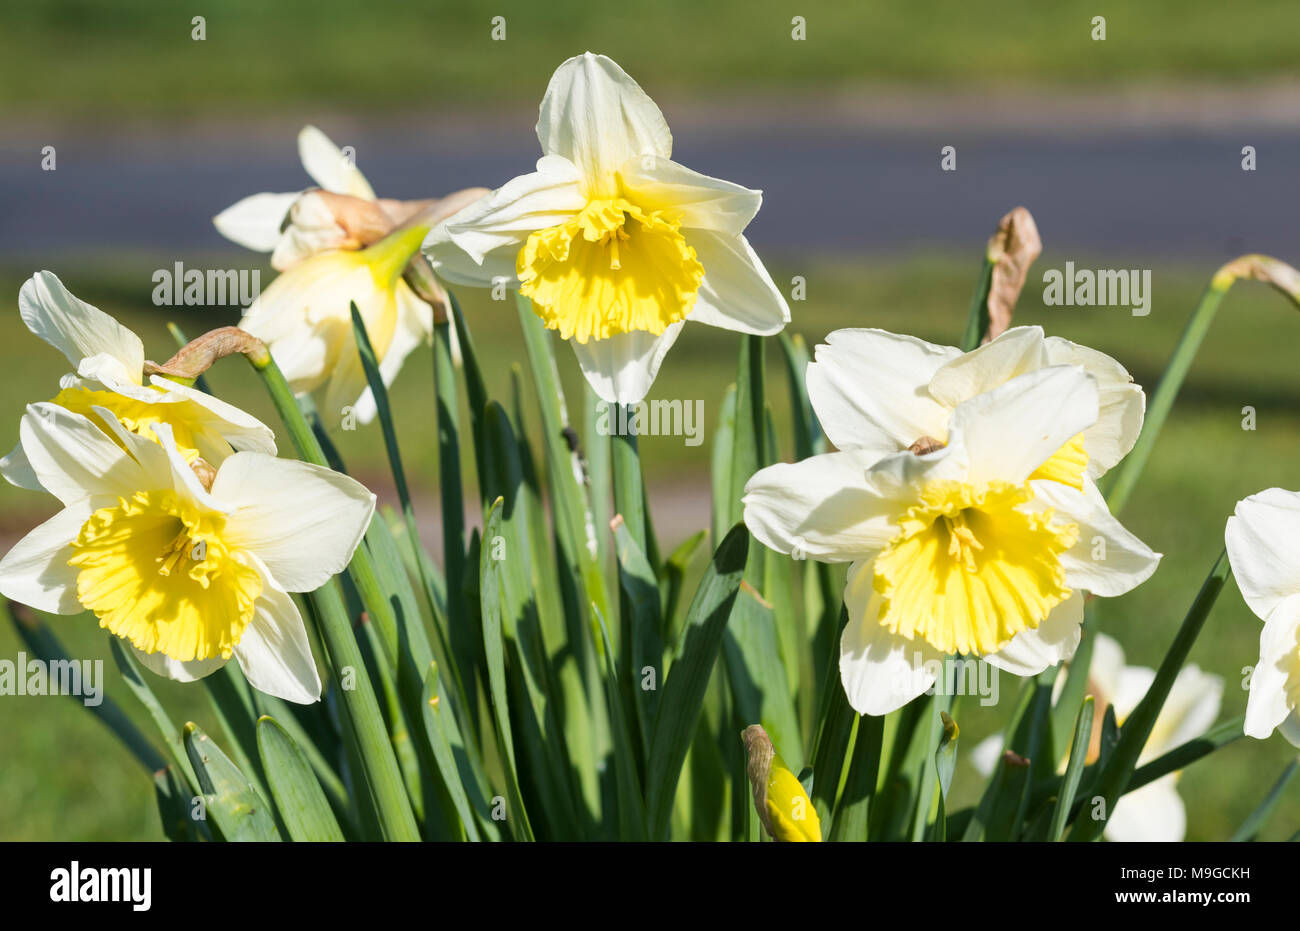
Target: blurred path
(1099, 177)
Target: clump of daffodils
(540, 691)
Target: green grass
(65, 777)
(137, 58)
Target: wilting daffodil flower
(1155, 812)
(615, 244)
(1263, 539)
(109, 362)
(189, 564)
(782, 803)
(959, 544)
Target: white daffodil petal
(737, 293)
(71, 456)
(481, 242)
(822, 507)
(74, 327)
(1189, 711)
(1290, 728)
(1130, 688)
(1154, 812)
(329, 167)
(243, 430)
(1263, 540)
(622, 368)
(303, 521)
(1106, 559)
(1105, 669)
(274, 653)
(1043, 409)
(987, 754)
(36, 571)
(1275, 682)
(160, 664)
(597, 117)
(1051, 642)
(696, 201)
(411, 331)
(881, 672)
(255, 221)
(18, 472)
(868, 389)
(1122, 403)
(1015, 352)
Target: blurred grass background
(89, 64)
(100, 59)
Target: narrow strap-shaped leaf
(631, 807)
(302, 805)
(645, 648)
(434, 724)
(238, 812)
(365, 723)
(1118, 770)
(41, 641)
(490, 596)
(853, 810)
(1074, 768)
(693, 662)
(135, 681)
(1258, 818)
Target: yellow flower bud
(783, 806)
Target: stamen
(962, 543)
(176, 551)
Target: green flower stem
(365, 722)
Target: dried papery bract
(197, 356)
(758, 747)
(365, 222)
(1011, 250)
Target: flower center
(156, 572)
(136, 416)
(610, 269)
(970, 568)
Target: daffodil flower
(305, 319)
(192, 567)
(314, 237)
(109, 362)
(1155, 812)
(615, 244)
(956, 545)
(296, 225)
(1263, 539)
(879, 391)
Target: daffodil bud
(783, 806)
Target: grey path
(1159, 190)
